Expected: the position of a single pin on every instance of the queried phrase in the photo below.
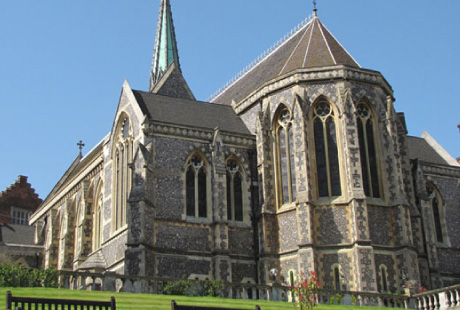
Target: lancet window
(326, 151)
(383, 277)
(336, 274)
(122, 174)
(234, 191)
(436, 208)
(196, 184)
(367, 148)
(285, 157)
(97, 222)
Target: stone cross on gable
(80, 145)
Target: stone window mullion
(197, 194)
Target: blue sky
(62, 64)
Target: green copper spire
(165, 52)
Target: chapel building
(301, 164)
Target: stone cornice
(199, 134)
(314, 75)
(440, 170)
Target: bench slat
(59, 304)
(175, 306)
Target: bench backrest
(32, 303)
(175, 306)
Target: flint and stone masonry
(302, 164)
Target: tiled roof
(312, 46)
(421, 150)
(190, 113)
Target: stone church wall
(380, 223)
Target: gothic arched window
(367, 148)
(285, 157)
(122, 174)
(196, 185)
(436, 208)
(97, 224)
(337, 277)
(327, 156)
(234, 191)
(383, 278)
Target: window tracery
(196, 187)
(284, 140)
(367, 148)
(326, 151)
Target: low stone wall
(110, 281)
(442, 299)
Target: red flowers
(306, 291)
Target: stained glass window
(326, 151)
(286, 180)
(369, 166)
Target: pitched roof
(190, 113)
(96, 261)
(421, 150)
(22, 234)
(73, 170)
(312, 46)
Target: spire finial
(165, 50)
(315, 10)
(80, 145)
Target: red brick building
(17, 202)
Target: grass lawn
(129, 301)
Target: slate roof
(96, 261)
(190, 113)
(23, 235)
(421, 150)
(312, 46)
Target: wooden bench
(175, 306)
(32, 303)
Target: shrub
(179, 287)
(194, 288)
(306, 291)
(19, 276)
(212, 288)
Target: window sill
(238, 224)
(331, 200)
(375, 201)
(116, 233)
(287, 207)
(197, 220)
